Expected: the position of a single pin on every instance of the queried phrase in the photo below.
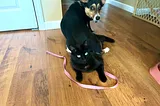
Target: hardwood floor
(30, 77)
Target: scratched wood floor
(29, 77)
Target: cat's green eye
(79, 56)
(86, 54)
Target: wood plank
(21, 89)
(7, 69)
(40, 91)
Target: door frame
(42, 24)
(37, 4)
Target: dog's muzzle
(96, 18)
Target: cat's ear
(72, 48)
(85, 43)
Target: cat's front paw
(103, 79)
(79, 78)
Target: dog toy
(155, 72)
(84, 85)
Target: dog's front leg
(89, 26)
(101, 74)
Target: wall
(52, 10)
(129, 2)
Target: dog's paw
(106, 50)
(68, 50)
(79, 78)
(103, 79)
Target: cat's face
(84, 59)
(79, 54)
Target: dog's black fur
(85, 46)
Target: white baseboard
(121, 5)
(56, 24)
(52, 25)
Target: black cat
(87, 57)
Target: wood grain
(30, 77)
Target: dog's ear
(84, 1)
(103, 1)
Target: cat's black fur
(87, 57)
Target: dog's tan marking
(90, 12)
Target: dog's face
(93, 8)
